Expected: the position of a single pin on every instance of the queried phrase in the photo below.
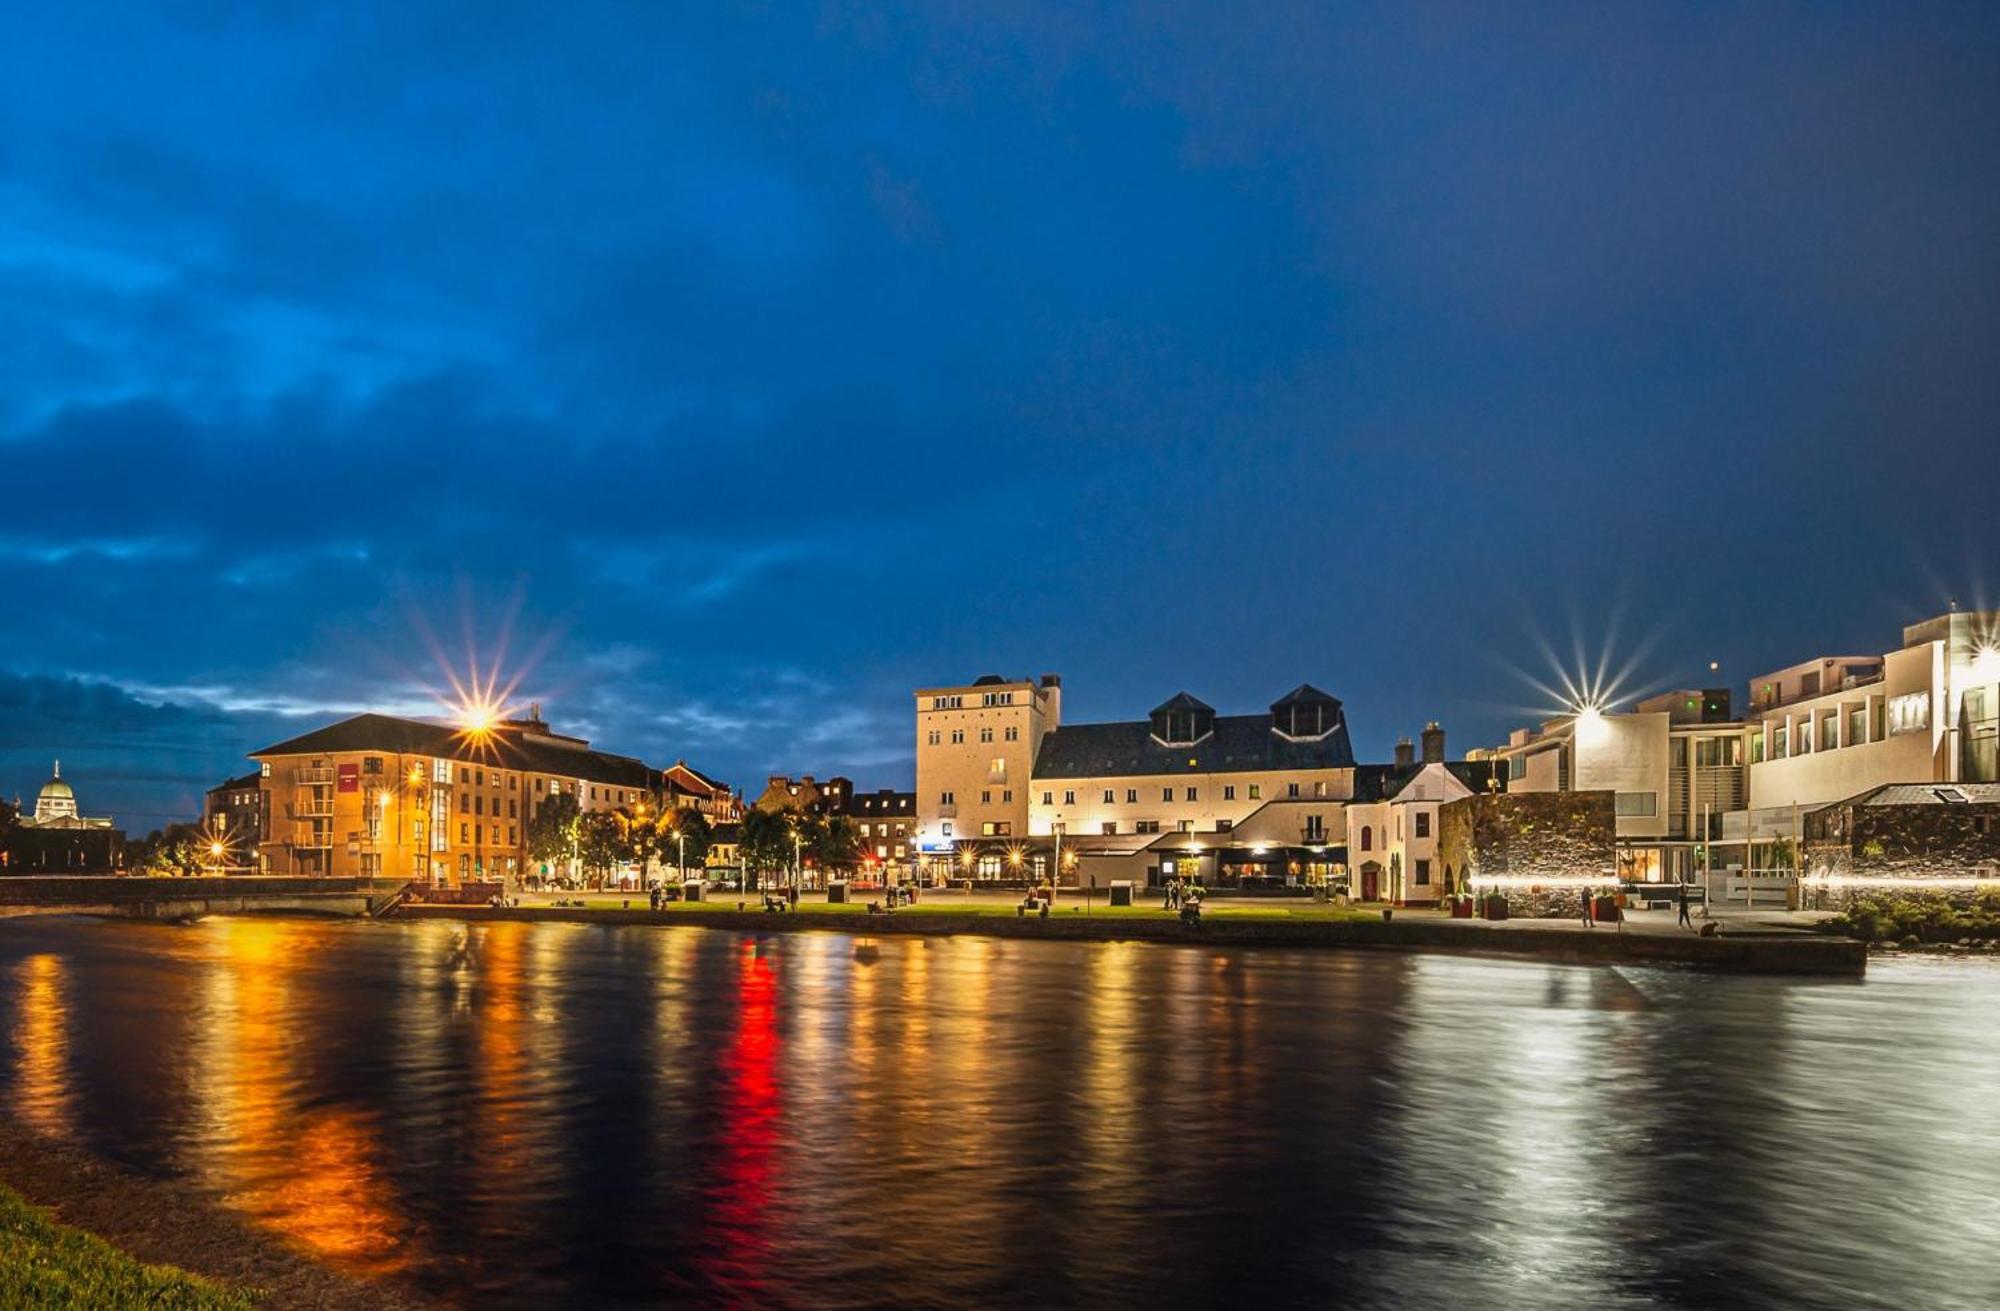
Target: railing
(311, 776)
(314, 809)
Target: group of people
(1180, 892)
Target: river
(530, 1115)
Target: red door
(1371, 882)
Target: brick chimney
(1406, 755)
(1433, 744)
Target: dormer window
(1182, 721)
(1305, 714)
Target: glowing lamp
(1590, 725)
(1986, 664)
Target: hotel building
(376, 796)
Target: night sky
(747, 367)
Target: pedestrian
(1583, 895)
(1685, 919)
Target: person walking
(1685, 919)
(1583, 895)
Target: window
(1192, 794)
(944, 799)
(1423, 818)
(1857, 726)
(1108, 796)
(1638, 805)
(1166, 794)
(1781, 740)
(465, 803)
(1517, 767)
(465, 832)
(997, 828)
(1108, 827)
(1147, 826)
(1229, 792)
(1048, 798)
(1367, 838)
(996, 770)
(1186, 826)
(1315, 828)
(1007, 797)
(958, 737)
(1013, 734)
(1069, 798)
(1291, 789)
(479, 805)
(945, 828)
(985, 735)
(947, 702)
(934, 738)
(1909, 714)
(1256, 791)
(1423, 873)
(513, 838)
(986, 797)
(371, 764)
(1131, 796)
(1756, 746)
(510, 809)
(1319, 787)
(1224, 825)
(1713, 752)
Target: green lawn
(44, 1264)
(950, 904)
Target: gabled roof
(504, 746)
(1238, 744)
(1384, 782)
(1182, 701)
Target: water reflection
(41, 1046)
(517, 1115)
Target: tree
(687, 838)
(176, 851)
(833, 843)
(8, 824)
(642, 830)
(552, 830)
(600, 843)
(766, 843)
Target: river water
(567, 1115)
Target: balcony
(311, 776)
(313, 808)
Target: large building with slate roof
(1257, 800)
(382, 796)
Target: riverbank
(1796, 953)
(166, 1223)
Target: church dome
(57, 799)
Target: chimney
(1433, 744)
(1406, 755)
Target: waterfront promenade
(1748, 943)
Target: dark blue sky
(765, 362)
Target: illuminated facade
(378, 797)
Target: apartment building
(1674, 766)
(380, 796)
(235, 813)
(1832, 728)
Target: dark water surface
(561, 1115)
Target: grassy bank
(46, 1264)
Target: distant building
(56, 838)
(236, 813)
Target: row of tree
(777, 844)
(600, 841)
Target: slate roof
(1239, 744)
(1927, 794)
(255, 778)
(1182, 701)
(1383, 782)
(504, 746)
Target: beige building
(976, 748)
(1833, 728)
(376, 796)
(1675, 769)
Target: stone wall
(1911, 841)
(1525, 834)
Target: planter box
(1461, 909)
(1607, 910)
(1496, 908)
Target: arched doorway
(1371, 881)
